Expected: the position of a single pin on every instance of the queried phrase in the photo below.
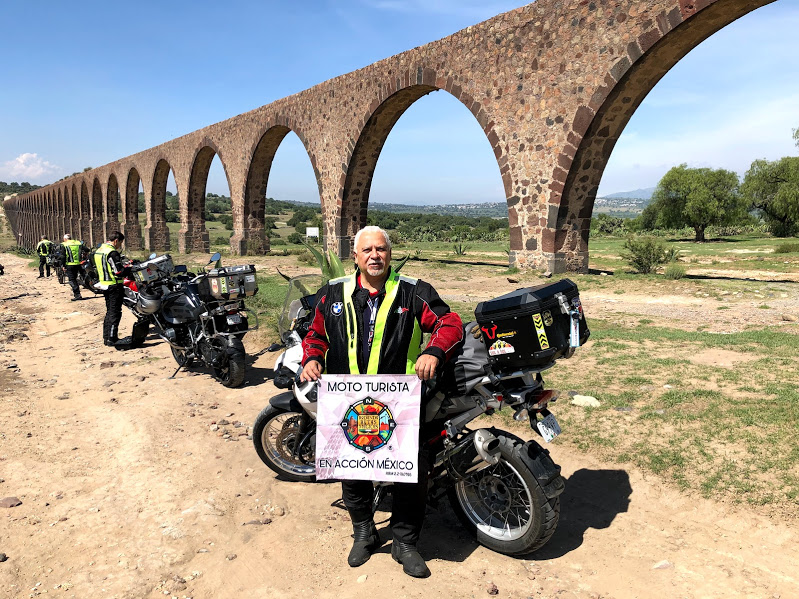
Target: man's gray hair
(67, 236)
(370, 229)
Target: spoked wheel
(60, 274)
(231, 372)
(181, 357)
(275, 435)
(504, 506)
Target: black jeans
(113, 312)
(42, 263)
(407, 506)
(72, 277)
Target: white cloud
(28, 167)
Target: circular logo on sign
(337, 308)
(368, 424)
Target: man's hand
(311, 371)
(426, 367)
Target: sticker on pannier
(500, 347)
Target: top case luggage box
(152, 270)
(231, 282)
(531, 326)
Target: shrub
(306, 257)
(787, 248)
(644, 253)
(221, 240)
(672, 254)
(674, 271)
(460, 249)
(277, 241)
(295, 238)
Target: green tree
(698, 198)
(772, 188)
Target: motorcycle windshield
(299, 287)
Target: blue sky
(86, 86)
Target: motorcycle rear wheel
(60, 274)
(231, 373)
(274, 434)
(504, 506)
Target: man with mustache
(351, 334)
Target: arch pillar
(193, 235)
(130, 208)
(156, 233)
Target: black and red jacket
(326, 341)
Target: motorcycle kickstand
(174, 373)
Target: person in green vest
(371, 322)
(72, 250)
(44, 249)
(111, 273)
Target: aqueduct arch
(250, 221)
(552, 84)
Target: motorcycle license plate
(234, 319)
(548, 427)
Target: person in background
(111, 271)
(72, 249)
(388, 313)
(44, 249)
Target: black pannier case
(531, 326)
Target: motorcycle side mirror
(275, 347)
(153, 255)
(215, 258)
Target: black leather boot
(412, 563)
(367, 540)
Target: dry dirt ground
(128, 491)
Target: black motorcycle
(505, 490)
(202, 317)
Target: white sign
(367, 427)
(312, 232)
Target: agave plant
(328, 261)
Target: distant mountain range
(638, 194)
(624, 203)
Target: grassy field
(725, 432)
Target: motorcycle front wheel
(181, 357)
(231, 373)
(274, 435)
(60, 274)
(504, 506)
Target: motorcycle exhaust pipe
(487, 446)
(475, 452)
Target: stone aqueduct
(552, 84)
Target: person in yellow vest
(110, 271)
(372, 322)
(44, 249)
(72, 250)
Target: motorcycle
(503, 489)
(87, 276)
(202, 317)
